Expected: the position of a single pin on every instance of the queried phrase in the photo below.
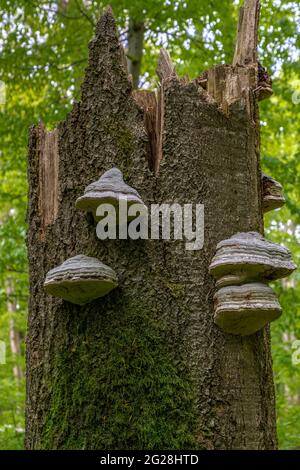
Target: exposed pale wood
(246, 43)
(147, 101)
(165, 72)
(229, 85)
(48, 177)
(216, 83)
(159, 127)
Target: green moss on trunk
(125, 379)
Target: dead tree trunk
(146, 367)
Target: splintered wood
(48, 177)
(165, 72)
(229, 84)
(246, 43)
(147, 101)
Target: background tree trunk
(136, 31)
(144, 367)
(14, 334)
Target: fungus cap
(273, 197)
(109, 189)
(80, 280)
(250, 257)
(243, 310)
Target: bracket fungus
(248, 256)
(242, 266)
(109, 189)
(263, 92)
(264, 89)
(243, 310)
(272, 194)
(80, 280)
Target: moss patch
(131, 387)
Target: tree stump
(145, 367)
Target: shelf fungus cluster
(80, 280)
(109, 189)
(242, 267)
(272, 194)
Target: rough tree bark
(145, 367)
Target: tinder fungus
(243, 310)
(242, 266)
(272, 194)
(109, 189)
(80, 280)
(264, 89)
(263, 92)
(247, 256)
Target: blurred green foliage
(43, 53)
